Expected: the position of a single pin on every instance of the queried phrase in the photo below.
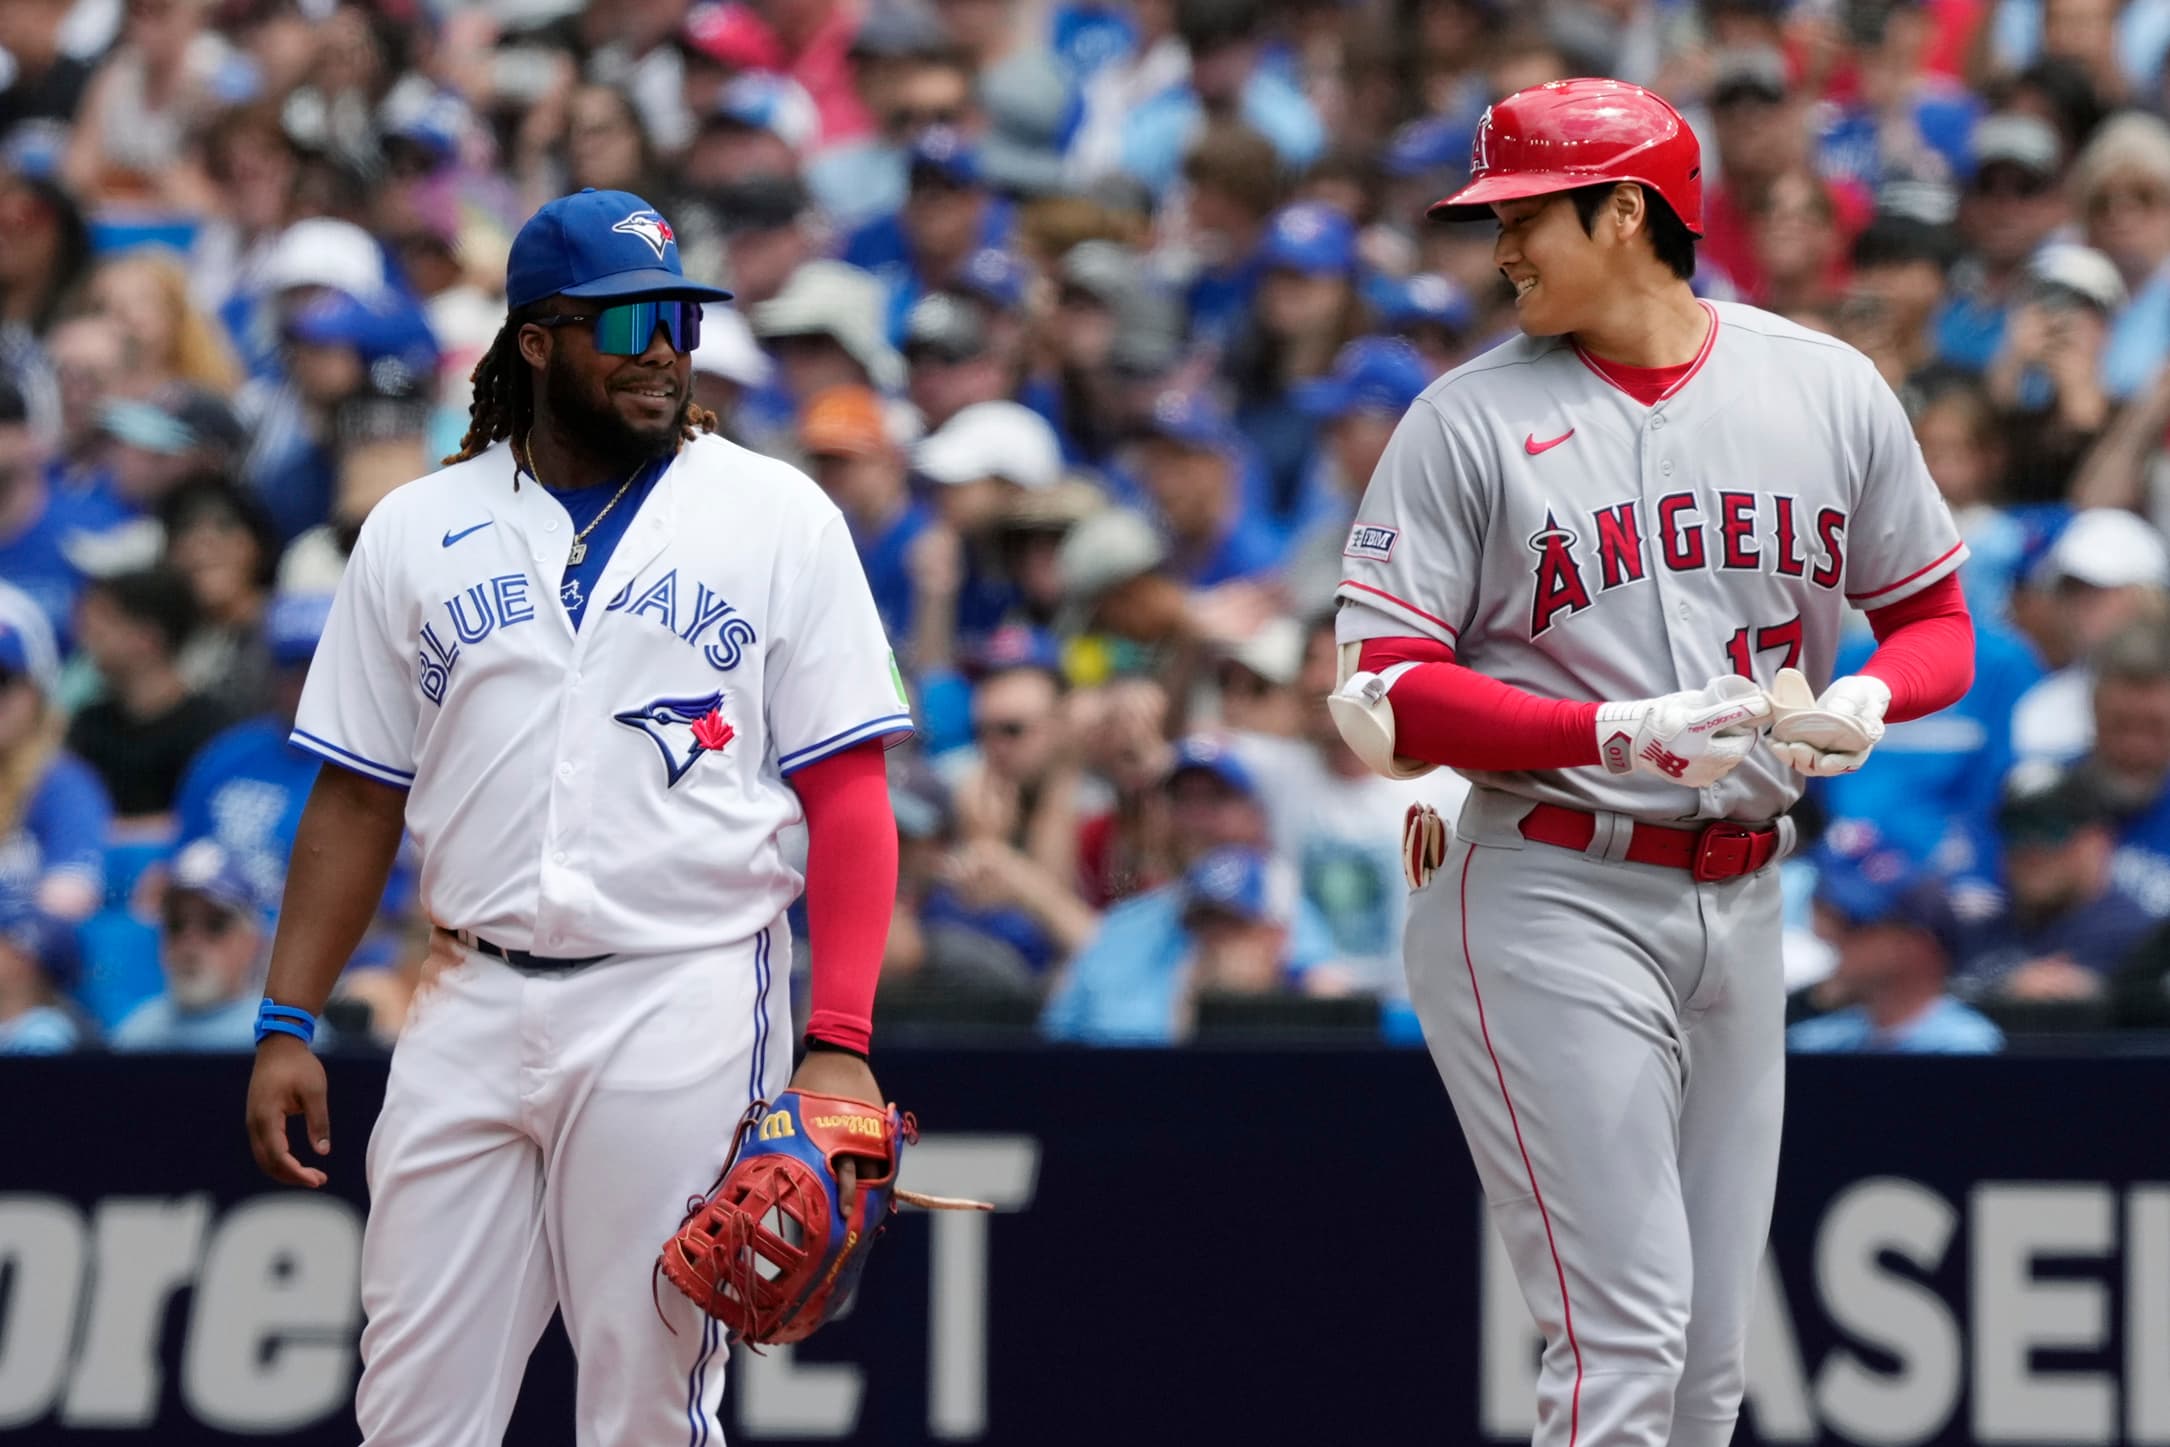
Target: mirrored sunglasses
(627, 329)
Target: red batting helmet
(1566, 134)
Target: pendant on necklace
(579, 555)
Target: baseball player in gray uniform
(1587, 561)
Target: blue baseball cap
(1194, 419)
(294, 625)
(208, 868)
(51, 943)
(1204, 753)
(387, 325)
(1310, 237)
(1231, 881)
(1371, 374)
(947, 154)
(1884, 887)
(1430, 144)
(1015, 646)
(1427, 297)
(995, 277)
(598, 245)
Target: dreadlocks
(504, 402)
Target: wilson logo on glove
(773, 1250)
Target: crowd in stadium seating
(1093, 317)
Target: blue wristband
(285, 1020)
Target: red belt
(1722, 850)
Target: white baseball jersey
(619, 789)
(1563, 537)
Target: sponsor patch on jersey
(1371, 540)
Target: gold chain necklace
(580, 539)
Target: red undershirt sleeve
(1924, 650)
(851, 887)
(1447, 714)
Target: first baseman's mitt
(771, 1251)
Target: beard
(599, 431)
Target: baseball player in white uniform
(594, 667)
(1579, 570)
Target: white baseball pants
(539, 1140)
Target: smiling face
(1558, 270)
(615, 409)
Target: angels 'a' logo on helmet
(650, 228)
(1480, 158)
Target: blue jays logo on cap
(682, 729)
(650, 228)
(604, 245)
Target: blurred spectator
(2107, 569)
(141, 735)
(2009, 208)
(826, 330)
(1255, 685)
(2130, 762)
(53, 809)
(45, 91)
(1192, 466)
(88, 354)
(1762, 136)
(948, 214)
(981, 461)
(1963, 447)
(1340, 824)
(1076, 386)
(1307, 309)
(1225, 43)
(2122, 185)
(42, 528)
(44, 250)
(767, 235)
(213, 937)
(221, 541)
(952, 359)
(38, 956)
(1131, 984)
(2047, 375)
(1889, 308)
(156, 443)
(845, 436)
(1434, 315)
(131, 143)
(1234, 181)
(2069, 924)
(1795, 237)
(1356, 409)
(759, 130)
(145, 293)
(1896, 937)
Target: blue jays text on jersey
(695, 614)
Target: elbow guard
(1364, 716)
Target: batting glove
(1694, 738)
(1830, 735)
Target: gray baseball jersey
(1563, 537)
(1610, 1032)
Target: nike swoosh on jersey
(1532, 446)
(451, 537)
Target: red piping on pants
(1567, 1312)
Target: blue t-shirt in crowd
(63, 829)
(2141, 866)
(1251, 546)
(586, 505)
(36, 559)
(159, 1024)
(1934, 783)
(1123, 987)
(1948, 1027)
(39, 1030)
(884, 248)
(1219, 300)
(882, 556)
(2139, 340)
(2096, 936)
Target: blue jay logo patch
(650, 228)
(682, 729)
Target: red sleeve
(1447, 714)
(1924, 650)
(851, 886)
